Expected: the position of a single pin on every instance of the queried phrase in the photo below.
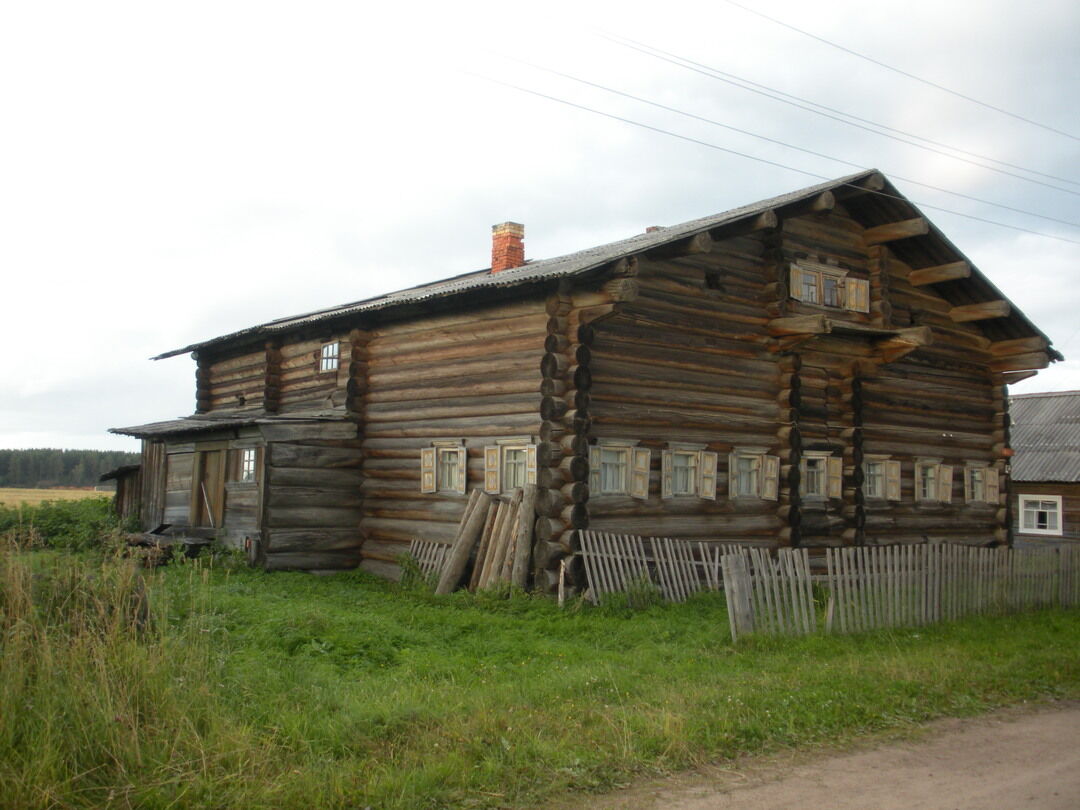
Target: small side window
(1040, 514)
(328, 356)
(248, 468)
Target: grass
(13, 497)
(246, 689)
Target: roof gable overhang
(867, 196)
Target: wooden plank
(984, 310)
(467, 537)
(942, 272)
(894, 231)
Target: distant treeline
(47, 467)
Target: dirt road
(1012, 759)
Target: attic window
(829, 286)
(328, 356)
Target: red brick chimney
(507, 246)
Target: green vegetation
(50, 467)
(72, 524)
(244, 689)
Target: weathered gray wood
(463, 545)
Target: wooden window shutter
(666, 458)
(530, 464)
(641, 459)
(462, 470)
(427, 469)
(892, 480)
(858, 294)
(707, 475)
(834, 468)
(992, 486)
(770, 477)
(594, 470)
(491, 469)
(732, 474)
(795, 283)
(945, 483)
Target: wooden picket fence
(429, 556)
(866, 587)
(898, 586)
(767, 595)
(622, 563)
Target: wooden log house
(819, 369)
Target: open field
(249, 689)
(15, 497)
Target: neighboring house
(817, 369)
(1045, 473)
(126, 500)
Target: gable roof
(1045, 436)
(878, 202)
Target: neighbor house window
(248, 458)
(933, 481)
(619, 468)
(443, 467)
(1040, 514)
(753, 473)
(688, 470)
(829, 286)
(328, 357)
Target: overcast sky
(172, 172)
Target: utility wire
(879, 63)
(786, 145)
(766, 161)
(819, 105)
(768, 92)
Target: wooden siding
(686, 361)
(235, 382)
(472, 376)
(152, 497)
(302, 384)
(179, 472)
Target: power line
(785, 144)
(927, 82)
(760, 159)
(623, 41)
(738, 81)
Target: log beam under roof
(1005, 348)
(690, 246)
(1021, 362)
(982, 311)
(942, 272)
(1012, 377)
(893, 231)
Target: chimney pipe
(507, 246)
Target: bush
(76, 525)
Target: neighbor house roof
(1045, 436)
(878, 205)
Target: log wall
(302, 386)
(232, 382)
(687, 361)
(472, 376)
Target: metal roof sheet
(1045, 436)
(885, 205)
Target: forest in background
(49, 467)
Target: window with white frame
(1040, 514)
(881, 478)
(619, 468)
(829, 286)
(688, 471)
(328, 356)
(752, 473)
(933, 481)
(443, 468)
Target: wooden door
(208, 498)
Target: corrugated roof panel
(1045, 436)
